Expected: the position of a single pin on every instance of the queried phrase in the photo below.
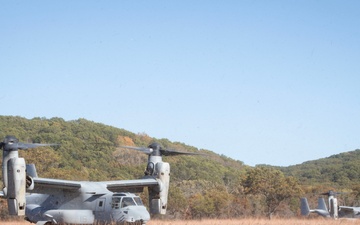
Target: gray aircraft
(334, 210)
(54, 201)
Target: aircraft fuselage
(85, 207)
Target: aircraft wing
(131, 185)
(349, 209)
(45, 185)
(41, 184)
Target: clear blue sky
(264, 82)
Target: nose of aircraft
(139, 213)
(132, 214)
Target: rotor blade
(331, 193)
(25, 146)
(141, 149)
(168, 152)
(11, 143)
(155, 149)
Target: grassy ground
(259, 222)
(239, 222)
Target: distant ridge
(340, 170)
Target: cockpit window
(127, 201)
(138, 201)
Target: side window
(115, 204)
(100, 205)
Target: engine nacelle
(16, 188)
(158, 197)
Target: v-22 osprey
(54, 201)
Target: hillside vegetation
(212, 186)
(341, 170)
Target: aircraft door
(100, 208)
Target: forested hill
(341, 170)
(89, 151)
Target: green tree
(212, 203)
(272, 185)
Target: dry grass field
(257, 222)
(239, 222)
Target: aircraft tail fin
(322, 204)
(305, 209)
(31, 170)
(321, 210)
